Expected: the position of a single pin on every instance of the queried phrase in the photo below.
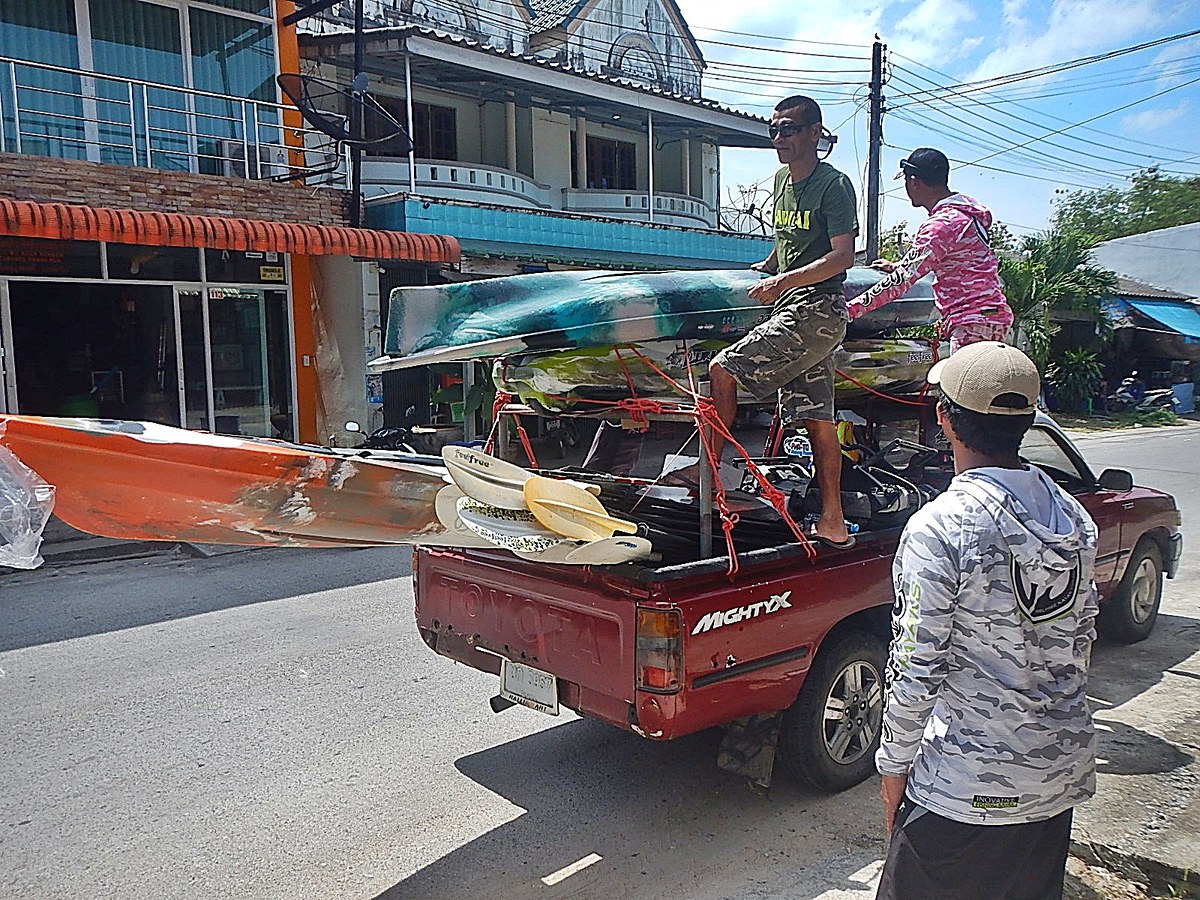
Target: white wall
(342, 288)
(552, 148)
(1166, 258)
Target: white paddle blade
(445, 506)
(485, 478)
(557, 554)
(609, 551)
(512, 529)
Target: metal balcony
(72, 114)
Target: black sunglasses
(787, 129)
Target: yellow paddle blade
(571, 511)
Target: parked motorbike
(1131, 397)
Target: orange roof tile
(60, 221)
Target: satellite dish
(313, 97)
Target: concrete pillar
(685, 153)
(581, 152)
(510, 133)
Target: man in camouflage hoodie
(987, 741)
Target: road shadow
(1120, 672)
(52, 605)
(1124, 750)
(663, 819)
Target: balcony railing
(69, 113)
(474, 182)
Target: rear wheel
(1130, 615)
(829, 735)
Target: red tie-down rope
(705, 413)
(498, 404)
(703, 410)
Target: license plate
(529, 687)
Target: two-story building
(155, 262)
(545, 134)
(172, 236)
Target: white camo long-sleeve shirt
(986, 707)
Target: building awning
(1178, 315)
(64, 222)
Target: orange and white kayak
(145, 481)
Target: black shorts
(934, 858)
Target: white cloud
(1072, 28)
(1149, 121)
(1011, 11)
(932, 31)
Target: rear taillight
(659, 656)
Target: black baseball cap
(930, 165)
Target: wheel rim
(853, 712)
(1143, 591)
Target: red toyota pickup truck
(668, 651)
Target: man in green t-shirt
(792, 352)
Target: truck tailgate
(479, 608)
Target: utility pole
(358, 86)
(874, 144)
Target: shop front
(183, 336)
(238, 326)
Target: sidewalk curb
(1153, 872)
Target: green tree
(893, 242)
(1075, 376)
(1001, 238)
(1052, 271)
(1153, 201)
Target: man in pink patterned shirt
(953, 243)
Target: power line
(1000, 80)
(1090, 85)
(1102, 115)
(1108, 157)
(999, 143)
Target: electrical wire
(991, 104)
(991, 122)
(1041, 71)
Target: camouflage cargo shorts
(792, 353)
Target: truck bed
(746, 641)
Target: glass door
(8, 383)
(195, 395)
(236, 361)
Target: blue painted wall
(568, 239)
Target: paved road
(269, 724)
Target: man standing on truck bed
(954, 243)
(987, 741)
(791, 354)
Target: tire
(835, 751)
(1130, 615)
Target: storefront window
(51, 109)
(43, 258)
(126, 261)
(251, 390)
(246, 267)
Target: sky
(1114, 117)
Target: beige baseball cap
(979, 374)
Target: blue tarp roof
(1178, 315)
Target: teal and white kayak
(565, 310)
